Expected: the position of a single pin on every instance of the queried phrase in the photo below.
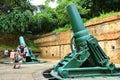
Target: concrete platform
(34, 72)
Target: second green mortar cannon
(88, 59)
(30, 57)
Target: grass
(103, 15)
(2, 47)
(62, 29)
(33, 46)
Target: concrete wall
(54, 45)
(107, 31)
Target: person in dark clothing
(22, 50)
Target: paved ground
(26, 72)
(34, 72)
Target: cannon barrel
(80, 33)
(75, 18)
(22, 41)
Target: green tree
(104, 6)
(44, 21)
(49, 19)
(15, 15)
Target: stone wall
(54, 45)
(107, 31)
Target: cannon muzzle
(22, 41)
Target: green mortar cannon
(88, 59)
(30, 58)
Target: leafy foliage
(45, 21)
(62, 14)
(16, 21)
(106, 6)
(15, 15)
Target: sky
(38, 2)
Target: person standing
(25, 51)
(18, 49)
(22, 50)
(12, 54)
(6, 54)
(17, 60)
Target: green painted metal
(30, 58)
(88, 59)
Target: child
(12, 53)
(17, 60)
